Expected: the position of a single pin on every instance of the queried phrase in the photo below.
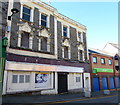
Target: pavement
(27, 99)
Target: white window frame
(78, 78)
(82, 55)
(79, 39)
(18, 78)
(68, 30)
(69, 53)
(31, 13)
(48, 19)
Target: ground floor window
(77, 79)
(20, 78)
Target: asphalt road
(96, 99)
(102, 100)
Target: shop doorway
(62, 82)
(96, 85)
(104, 83)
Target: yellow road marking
(78, 100)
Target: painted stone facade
(37, 51)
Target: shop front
(44, 78)
(103, 79)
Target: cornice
(57, 14)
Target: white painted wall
(16, 87)
(87, 82)
(109, 48)
(72, 84)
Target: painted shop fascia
(97, 70)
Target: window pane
(95, 59)
(77, 79)
(26, 17)
(26, 13)
(44, 20)
(79, 36)
(103, 61)
(110, 62)
(65, 29)
(65, 52)
(14, 78)
(81, 55)
(25, 40)
(26, 10)
(27, 78)
(21, 78)
(43, 17)
(44, 44)
(65, 34)
(43, 23)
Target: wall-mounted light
(14, 11)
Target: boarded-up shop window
(14, 78)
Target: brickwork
(99, 65)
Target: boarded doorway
(62, 82)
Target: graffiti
(41, 78)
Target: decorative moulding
(66, 43)
(44, 33)
(25, 27)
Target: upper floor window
(80, 55)
(102, 61)
(26, 13)
(80, 36)
(44, 20)
(94, 59)
(25, 40)
(110, 62)
(66, 52)
(44, 44)
(64, 31)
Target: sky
(100, 18)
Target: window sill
(81, 61)
(65, 37)
(94, 63)
(26, 21)
(28, 49)
(102, 63)
(44, 27)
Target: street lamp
(3, 45)
(14, 11)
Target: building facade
(103, 73)
(47, 51)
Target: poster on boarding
(42, 80)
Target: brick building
(103, 73)
(114, 50)
(47, 51)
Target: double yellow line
(56, 102)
